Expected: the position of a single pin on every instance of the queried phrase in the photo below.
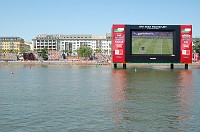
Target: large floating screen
(152, 43)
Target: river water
(89, 98)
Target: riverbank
(32, 63)
(88, 63)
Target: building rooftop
(72, 36)
(9, 38)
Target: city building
(71, 43)
(11, 44)
(28, 47)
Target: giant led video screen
(152, 43)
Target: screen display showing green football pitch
(152, 43)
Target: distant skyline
(28, 18)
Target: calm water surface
(89, 98)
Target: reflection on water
(118, 85)
(78, 98)
(118, 91)
(160, 99)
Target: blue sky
(28, 18)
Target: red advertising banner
(118, 43)
(186, 44)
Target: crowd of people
(8, 56)
(52, 56)
(101, 57)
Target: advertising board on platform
(118, 43)
(186, 44)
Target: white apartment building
(50, 42)
(71, 43)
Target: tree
(44, 54)
(28, 56)
(84, 51)
(64, 51)
(196, 46)
(22, 51)
(11, 51)
(70, 52)
(16, 50)
(38, 50)
(98, 50)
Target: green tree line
(84, 51)
(196, 47)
